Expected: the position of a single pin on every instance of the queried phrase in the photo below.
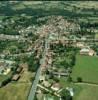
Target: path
(44, 88)
(83, 83)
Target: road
(11, 37)
(34, 85)
(46, 89)
(20, 54)
(7, 61)
(38, 73)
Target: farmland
(15, 91)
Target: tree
(79, 79)
(33, 63)
(47, 72)
(51, 76)
(56, 79)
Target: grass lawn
(15, 91)
(50, 97)
(96, 36)
(86, 92)
(87, 68)
(82, 91)
(26, 76)
(4, 77)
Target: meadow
(85, 92)
(15, 91)
(86, 67)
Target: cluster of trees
(9, 77)
(65, 56)
(13, 46)
(5, 44)
(6, 81)
(88, 25)
(11, 24)
(86, 28)
(33, 63)
(7, 29)
(65, 95)
(8, 26)
(85, 32)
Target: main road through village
(38, 73)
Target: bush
(32, 79)
(56, 79)
(69, 79)
(65, 95)
(79, 79)
(5, 82)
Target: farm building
(86, 51)
(56, 86)
(15, 77)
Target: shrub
(79, 79)
(69, 79)
(5, 82)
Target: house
(84, 51)
(4, 68)
(70, 91)
(60, 73)
(6, 71)
(55, 86)
(19, 69)
(46, 84)
(83, 38)
(15, 77)
(49, 61)
(43, 68)
(92, 53)
(80, 44)
(42, 77)
(87, 51)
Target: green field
(14, 91)
(96, 36)
(17, 90)
(86, 92)
(4, 77)
(87, 68)
(82, 91)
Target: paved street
(34, 85)
(38, 73)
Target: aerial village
(40, 57)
